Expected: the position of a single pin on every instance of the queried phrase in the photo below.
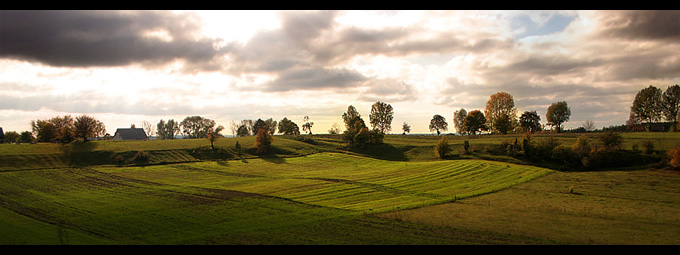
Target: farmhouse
(130, 134)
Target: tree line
(500, 117)
(652, 105)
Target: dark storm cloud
(100, 38)
(643, 24)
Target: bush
(442, 147)
(611, 139)
(363, 138)
(581, 148)
(544, 148)
(635, 148)
(237, 147)
(466, 147)
(674, 157)
(141, 157)
(263, 140)
(649, 147)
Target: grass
(317, 191)
(353, 182)
(605, 208)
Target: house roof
(130, 134)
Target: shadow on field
(383, 151)
(272, 155)
(79, 154)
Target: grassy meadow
(317, 191)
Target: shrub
(636, 148)
(263, 140)
(466, 147)
(581, 148)
(611, 139)
(674, 157)
(544, 148)
(141, 157)
(649, 147)
(442, 147)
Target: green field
(319, 192)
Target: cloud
(388, 90)
(641, 24)
(313, 78)
(103, 38)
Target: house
(130, 134)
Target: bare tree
(233, 126)
(149, 128)
(589, 125)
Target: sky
(127, 67)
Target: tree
(381, 117)
(86, 126)
(349, 116)
(196, 126)
(438, 123)
(357, 134)
(406, 127)
(263, 140)
(259, 123)
(233, 126)
(12, 137)
(503, 124)
(671, 104)
(335, 129)
(589, 125)
(458, 118)
(497, 106)
(248, 125)
(167, 130)
(213, 134)
(44, 130)
(242, 131)
(308, 125)
(271, 125)
(65, 128)
(530, 121)
(26, 137)
(56, 129)
(558, 113)
(149, 129)
(474, 122)
(288, 127)
(647, 105)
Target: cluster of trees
(16, 137)
(358, 135)
(65, 129)
(652, 105)
(500, 117)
